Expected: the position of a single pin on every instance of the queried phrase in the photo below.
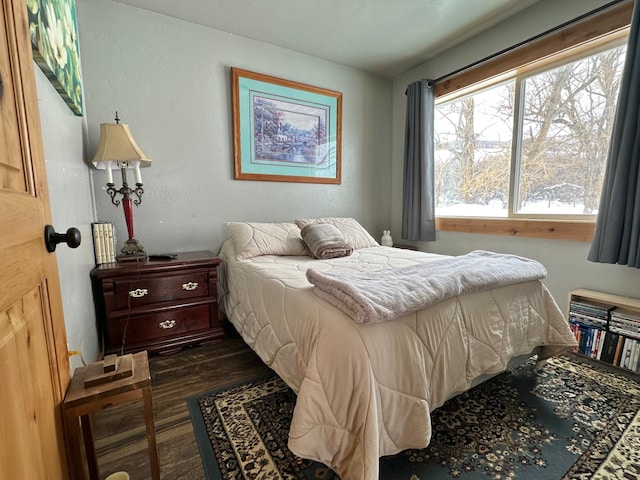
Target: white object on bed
(324, 241)
(355, 234)
(384, 295)
(365, 391)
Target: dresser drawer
(158, 305)
(149, 290)
(141, 329)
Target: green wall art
(54, 41)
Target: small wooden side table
(81, 401)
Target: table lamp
(118, 149)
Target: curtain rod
(531, 39)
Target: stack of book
(589, 322)
(627, 326)
(606, 333)
(104, 242)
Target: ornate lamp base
(132, 252)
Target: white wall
(566, 261)
(71, 199)
(170, 81)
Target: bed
(365, 390)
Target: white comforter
(365, 391)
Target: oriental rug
(573, 419)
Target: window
(553, 165)
(528, 142)
(472, 152)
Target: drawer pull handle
(138, 292)
(167, 324)
(190, 286)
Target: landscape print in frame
(54, 42)
(285, 131)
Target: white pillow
(254, 239)
(355, 233)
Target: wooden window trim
(612, 20)
(573, 230)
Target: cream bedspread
(365, 391)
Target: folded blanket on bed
(324, 240)
(391, 293)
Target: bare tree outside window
(473, 150)
(568, 118)
(563, 124)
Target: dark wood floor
(120, 431)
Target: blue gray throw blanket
(392, 293)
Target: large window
(535, 145)
(521, 140)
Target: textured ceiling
(384, 37)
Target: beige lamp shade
(117, 146)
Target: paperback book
(104, 243)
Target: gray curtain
(617, 235)
(418, 214)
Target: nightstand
(158, 305)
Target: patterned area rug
(570, 420)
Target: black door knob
(51, 238)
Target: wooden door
(34, 367)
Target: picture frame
(285, 131)
(53, 29)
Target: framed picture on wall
(285, 131)
(54, 42)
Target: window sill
(576, 230)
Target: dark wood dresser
(157, 305)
